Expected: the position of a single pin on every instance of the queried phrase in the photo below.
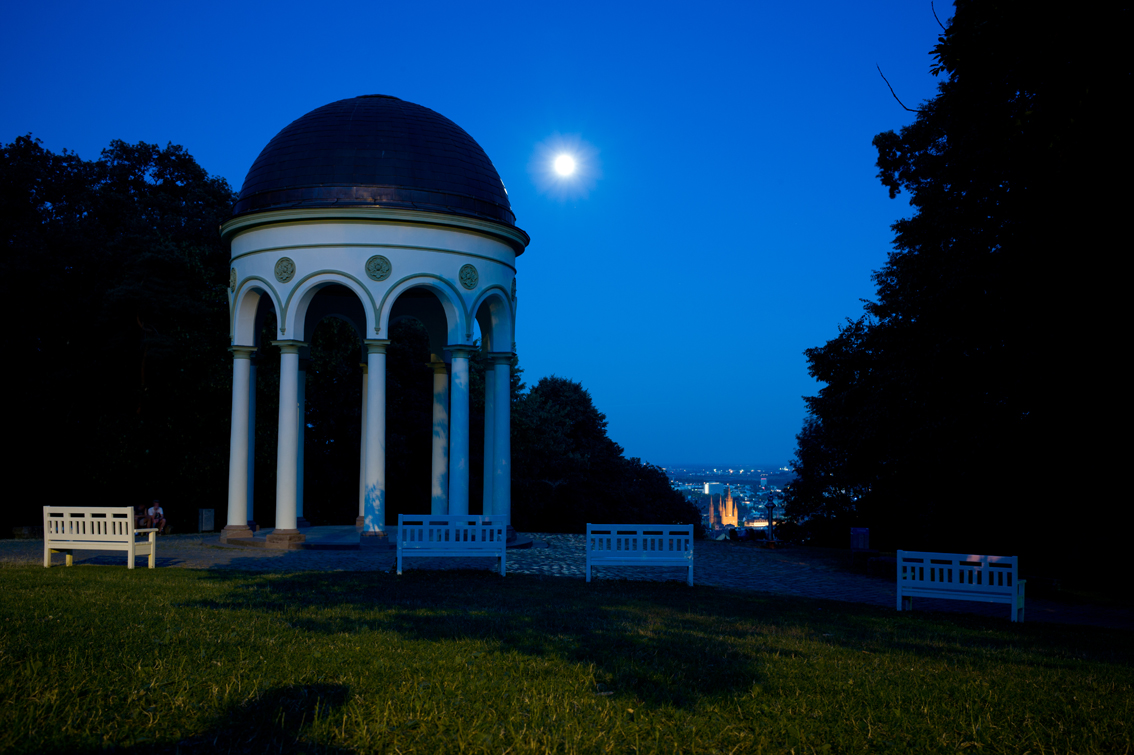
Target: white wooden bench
(954, 576)
(95, 528)
(640, 545)
(429, 536)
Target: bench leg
(689, 580)
(399, 563)
(46, 556)
(153, 549)
(70, 559)
(905, 603)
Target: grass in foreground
(173, 660)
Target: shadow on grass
(664, 643)
(645, 638)
(275, 721)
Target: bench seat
(640, 545)
(453, 536)
(96, 528)
(956, 576)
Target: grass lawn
(99, 658)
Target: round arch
(294, 318)
(496, 317)
(457, 322)
(246, 303)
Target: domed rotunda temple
(373, 209)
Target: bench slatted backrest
(977, 574)
(471, 531)
(92, 523)
(628, 539)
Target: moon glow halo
(565, 167)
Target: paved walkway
(719, 564)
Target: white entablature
(377, 256)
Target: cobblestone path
(718, 564)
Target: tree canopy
(112, 285)
(951, 403)
(566, 471)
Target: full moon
(564, 165)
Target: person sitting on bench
(157, 516)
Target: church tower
(722, 512)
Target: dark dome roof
(375, 150)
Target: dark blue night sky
(729, 218)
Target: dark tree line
(113, 283)
(112, 288)
(566, 471)
(970, 408)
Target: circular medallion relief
(285, 269)
(232, 279)
(469, 277)
(378, 268)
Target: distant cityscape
(730, 497)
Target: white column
(301, 426)
(489, 418)
(287, 451)
(375, 503)
(502, 438)
(459, 430)
(252, 439)
(440, 486)
(362, 458)
(237, 525)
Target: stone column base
(235, 532)
(360, 521)
(375, 540)
(253, 526)
(282, 539)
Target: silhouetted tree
(112, 284)
(566, 471)
(950, 404)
